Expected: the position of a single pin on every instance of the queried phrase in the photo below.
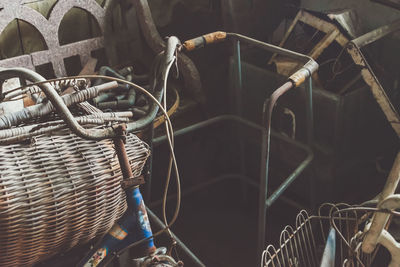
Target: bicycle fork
(134, 224)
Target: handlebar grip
(302, 74)
(204, 40)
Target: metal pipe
(135, 199)
(264, 203)
(59, 105)
(168, 57)
(285, 184)
(203, 124)
(119, 144)
(376, 34)
(295, 80)
(238, 103)
(222, 178)
(265, 156)
(379, 219)
(180, 244)
(12, 119)
(388, 3)
(270, 47)
(309, 110)
(186, 66)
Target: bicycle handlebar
(58, 103)
(62, 109)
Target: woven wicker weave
(59, 191)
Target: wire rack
(303, 245)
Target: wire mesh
(303, 245)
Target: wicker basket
(59, 191)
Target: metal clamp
(132, 182)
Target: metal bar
(239, 65)
(377, 34)
(389, 3)
(323, 26)
(379, 220)
(270, 47)
(121, 153)
(149, 165)
(377, 90)
(239, 112)
(287, 33)
(354, 49)
(309, 111)
(203, 124)
(219, 179)
(278, 192)
(265, 156)
(186, 66)
(310, 133)
(264, 203)
(58, 104)
(324, 43)
(295, 80)
(180, 244)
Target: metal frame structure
(354, 49)
(304, 74)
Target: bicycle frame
(134, 226)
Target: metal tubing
(295, 80)
(12, 119)
(58, 103)
(186, 66)
(285, 184)
(180, 244)
(377, 34)
(265, 156)
(203, 124)
(121, 153)
(264, 203)
(222, 178)
(149, 165)
(238, 104)
(379, 219)
(168, 56)
(135, 199)
(310, 132)
(270, 47)
(309, 110)
(388, 3)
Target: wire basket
(303, 245)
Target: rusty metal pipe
(121, 152)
